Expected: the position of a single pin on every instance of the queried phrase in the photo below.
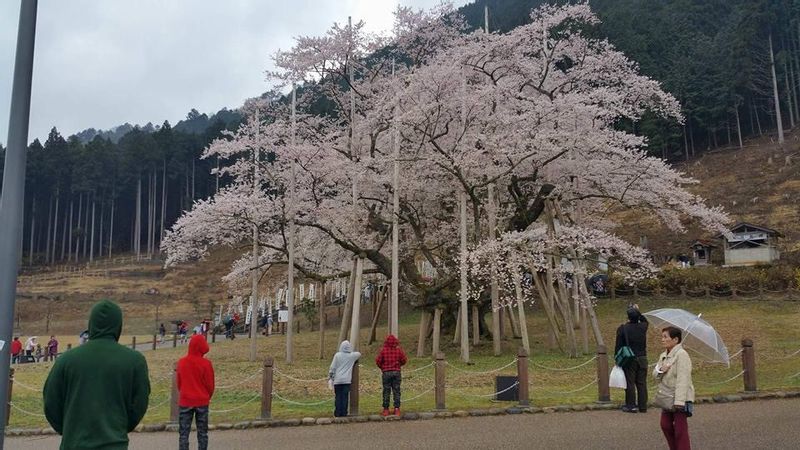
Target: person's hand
(665, 367)
(636, 306)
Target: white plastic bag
(330, 384)
(617, 378)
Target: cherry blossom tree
(533, 113)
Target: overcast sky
(101, 63)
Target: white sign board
(249, 315)
(312, 294)
(283, 316)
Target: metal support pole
(13, 191)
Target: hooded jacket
(341, 371)
(195, 375)
(97, 393)
(391, 357)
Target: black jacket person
(97, 393)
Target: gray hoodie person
(341, 371)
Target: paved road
(745, 425)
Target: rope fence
(418, 383)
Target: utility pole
(13, 192)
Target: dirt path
(755, 424)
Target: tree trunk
(64, 230)
(796, 72)
(137, 230)
(91, 238)
(163, 200)
(193, 182)
(33, 228)
(789, 102)
(778, 119)
(752, 122)
(758, 120)
(69, 234)
(685, 143)
(100, 233)
(85, 250)
(111, 227)
(49, 232)
(728, 131)
(738, 127)
(78, 223)
(691, 136)
(55, 229)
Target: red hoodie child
(390, 360)
(195, 378)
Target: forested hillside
(733, 64)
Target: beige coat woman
(674, 373)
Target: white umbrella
(698, 335)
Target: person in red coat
(195, 378)
(16, 350)
(390, 360)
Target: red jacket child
(195, 375)
(391, 357)
(16, 347)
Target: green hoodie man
(97, 393)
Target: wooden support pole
(476, 328)
(174, 340)
(355, 324)
(133, 342)
(464, 282)
(155, 341)
(494, 289)
(457, 334)
(214, 335)
(603, 392)
(423, 333)
(173, 396)
(749, 365)
(440, 377)
(354, 391)
(376, 314)
(348, 306)
(322, 321)
(266, 388)
(522, 376)
(437, 331)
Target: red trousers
(676, 430)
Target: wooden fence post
(708, 292)
(683, 291)
(214, 335)
(10, 391)
(173, 396)
(266, 388)
(69, 346)
(603, 393)
(133, 343)
(749, 365)
(174, 340)
(733, 292)
(155, 341)
(635, 292)
(439, 379)
(613, 292)
(354, 391)
(522, 377)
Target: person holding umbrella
(675, 395)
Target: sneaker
(630, 409)
(396, 412)
(385, 412)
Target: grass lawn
(772, 324)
